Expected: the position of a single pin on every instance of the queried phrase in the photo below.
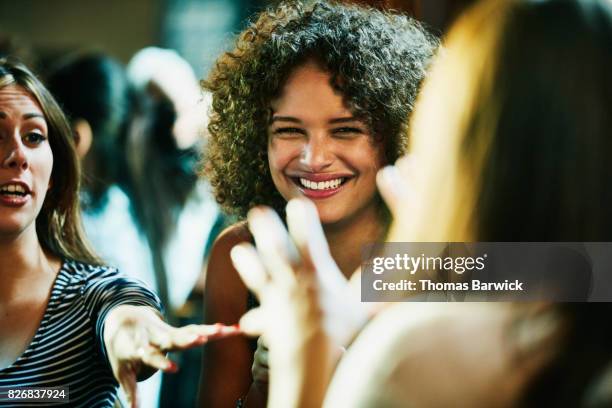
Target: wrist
(300, 377)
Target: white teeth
(321, 185)
(12, 188)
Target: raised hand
(397, 186)
(306, 310)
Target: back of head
(524, 90)
(94, 88)
(522, 94)
(548, 171)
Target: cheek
(281, 154)
(368, 158)
(42, 163)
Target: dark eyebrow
(33, 115)
(345, 120)
(285, 119)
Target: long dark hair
(552, 137)
(95, 88)
(523, 154)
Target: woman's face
(318, 149)
(26, 160)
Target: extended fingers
(250, 268)
(253, 323)
(168, 338)
(154, 357)
(275, 248)
(307, 232)
(389, 184)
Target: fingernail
(171, 367)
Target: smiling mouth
(332, 184)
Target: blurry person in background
(94, 92)
(312, 102)
(180, 217)
(509, 142)
(65, 318)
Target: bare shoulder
(225, 294)
(231, 236)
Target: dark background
(197, 29)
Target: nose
(15, 156)
(317, 154)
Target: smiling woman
(317, 148)
(312, 102)
(65, 320)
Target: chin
(13, 226)
(327, 216)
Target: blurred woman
(177, 209)
(510, 139)
(105, 113)
(312, 102)
(95, 94)
(66, 319)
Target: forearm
(301, 377)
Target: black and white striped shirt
(68, 347)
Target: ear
(83, 138)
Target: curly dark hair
(376, 59)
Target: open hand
(137, 340)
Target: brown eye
(34, 138)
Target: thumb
(127, 381)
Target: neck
(346, 239)
(22, 262)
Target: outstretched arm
(137, 339)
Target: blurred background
(150, 216)
(197, 29)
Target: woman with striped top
(65, 320)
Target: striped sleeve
(107, 289)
